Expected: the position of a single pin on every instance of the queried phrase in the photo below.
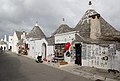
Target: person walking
(1, 49)
(4, 49)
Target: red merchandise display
(67, 45)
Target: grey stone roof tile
(36, 32)
(50, 40)
(83, 26)
(18, 33)
(63, 28)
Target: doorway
(44, 51)
(78, 51)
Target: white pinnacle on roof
(36, 23)
(36, 32)
(63, 20)
(90, 4)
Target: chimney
(95, 30)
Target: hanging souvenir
(67, 45)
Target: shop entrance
(59, 52)
(44, 50)
(78, 50)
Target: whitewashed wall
(35, 48)
(10, 38)
(50, 50)
(85, 52)
(118, 60)
(14, 43)
(92, 55)
(115, 62)
(31, 51)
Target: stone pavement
(87, 72)
(84, 71)
(91, 73)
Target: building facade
(38, 44)
(15, 40)
(10, 38)
(96, 43)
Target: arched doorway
(44, 51)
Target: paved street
(19, 68)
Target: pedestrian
(39, 59)
(4, 49)
(1, 49)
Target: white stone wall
(50, 50)
(10, 38)
(94, 55)
(14, 43)
(35, 48)
(118, 60)
(31, 51)
(115, 61)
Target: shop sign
(63, 38)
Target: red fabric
(67, 45)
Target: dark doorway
(78, 51)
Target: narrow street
(19, 68)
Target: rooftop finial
(63, 20)
(36, 23)
(90, 4)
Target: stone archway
(44, 49)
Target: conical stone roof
(63, 28)
(18, 33)
(36, 32)
(83, 26)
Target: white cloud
(22, 14)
